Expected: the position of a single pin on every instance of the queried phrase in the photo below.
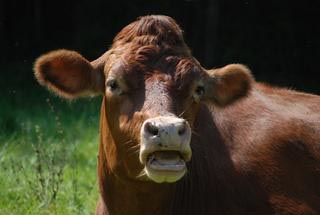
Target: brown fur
(255, 148)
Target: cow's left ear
(227, 84)
(69, 74)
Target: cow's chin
(165, 166)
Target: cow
(176, 138)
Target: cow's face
(150, 110)
(152, 87)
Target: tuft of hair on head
(158, 29)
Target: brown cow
(178, 139)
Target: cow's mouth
(165, 166)
(166, 161)
(165, 148)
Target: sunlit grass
(48, 154)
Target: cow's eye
(113, 85)
(198, 93)
(199, 90)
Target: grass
(48, 152)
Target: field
(48, 150)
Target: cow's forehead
(135, 65)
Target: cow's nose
(154, 128)
(170, 131)
(151, 128)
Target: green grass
(48, 152)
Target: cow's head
(153, 88)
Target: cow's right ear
(69, 75)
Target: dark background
(278, 39)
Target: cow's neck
(213, 185)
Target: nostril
(182, 129)
(152, 129)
